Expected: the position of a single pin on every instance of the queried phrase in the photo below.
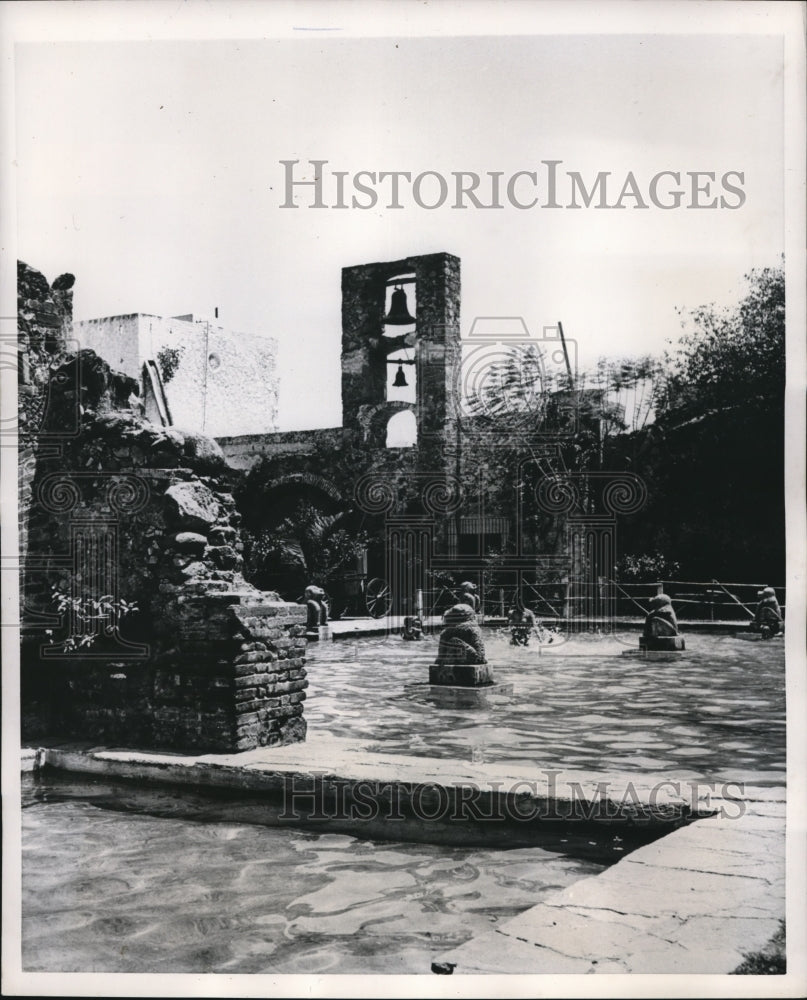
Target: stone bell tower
(400, 385)
(400, 351)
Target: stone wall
(44, 317)
(131, 512)
(245, 451)
(223, 382)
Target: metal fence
(710, 600)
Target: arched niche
(402, 430)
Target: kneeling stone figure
(461, 639)
(661, 627)
(317, 608)
(461, 659)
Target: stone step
(697, 901)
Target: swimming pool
(107, 890)
(112, 891)
(713, 713)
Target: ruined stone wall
(244, 451)
(44, 318)
(224, 382)
(144, 514)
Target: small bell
(398, 314)
(400, 378)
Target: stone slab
(322, 752)
(495, 786)
(696, 901)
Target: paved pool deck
(697, 901)
(708, 891)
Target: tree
(517, 387)
(713, 461)
(729, 358)
(631, 390)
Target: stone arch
(310, 480)
(282, 496)
(402, 430)
(290, 507)
(373, 420)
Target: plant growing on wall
(105, 612)
(168, 360)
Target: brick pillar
(269, 675)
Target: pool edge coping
(663, 942)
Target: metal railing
(699, 600)
(710, 600)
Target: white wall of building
(225, 382)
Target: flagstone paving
(697, 902)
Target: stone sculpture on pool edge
(317, 608)
(768, 615)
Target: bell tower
(400, 347)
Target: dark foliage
(714, 459)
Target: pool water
(110, 891)
(713, 713)
(112, 885)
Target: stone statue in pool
(661, 627)
(461, 656)
(461, 639)
(768, 616)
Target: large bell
(398, 310)
(400, 378)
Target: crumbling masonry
(138, 625)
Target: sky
(151, 170)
